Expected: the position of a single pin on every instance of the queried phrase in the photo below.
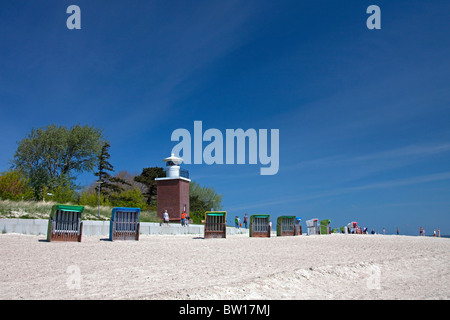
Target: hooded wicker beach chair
(215, 224)
(286, 226)
(259, 226)
(64, 223)
(124, 224)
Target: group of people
(422, 232)
(184, 218)
(238, 224)
(366, 231)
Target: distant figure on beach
(166, 218)
(245, 221)
(384, 231)
(183, 218)
(420, 231)
(188, 220)
(236, 222)
(439, 232)
(398, 231)
(373, 231)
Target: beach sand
(190, 267)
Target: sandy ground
(239, 267)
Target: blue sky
(363, 114)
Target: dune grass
(41, 210)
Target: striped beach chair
(325, 226)
(259, 226)
(313, 227)
(215, 224)
(64, 223)
(124, 224)
(285, 226)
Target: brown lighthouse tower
(173, 190)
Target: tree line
(48, 159)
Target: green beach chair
(325, 226)
(215, 224)
(65, 223)
(285, 226)
(259, 226)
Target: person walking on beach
(398, 231)
(166, 218)
(236, 222)
(246, 221)
(420, 231)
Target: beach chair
(313, 227)
(64, 223)
(352, 227)
(298, 227)
(215, 224)
(259, 226)
(124, 224)
(325, 226)
(285, 226)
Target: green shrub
(128, 198)
(15, 186)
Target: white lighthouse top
(173, 169)
(172, 160)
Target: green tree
(203, 198)
(197, 216)
(196, 204)
(89, 197)
(128, 198)
(147, 178)
(15, 186)
(110, 184)
(64, 192)
(51, 155)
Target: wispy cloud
(347, 190)
(407, 154)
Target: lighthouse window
(170, 163)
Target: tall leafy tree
(203, 198)
(51, 156)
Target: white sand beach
(239, 267)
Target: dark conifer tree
(147, 177)
(109, 184)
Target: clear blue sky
(363, 114)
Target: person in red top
(183, 218)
